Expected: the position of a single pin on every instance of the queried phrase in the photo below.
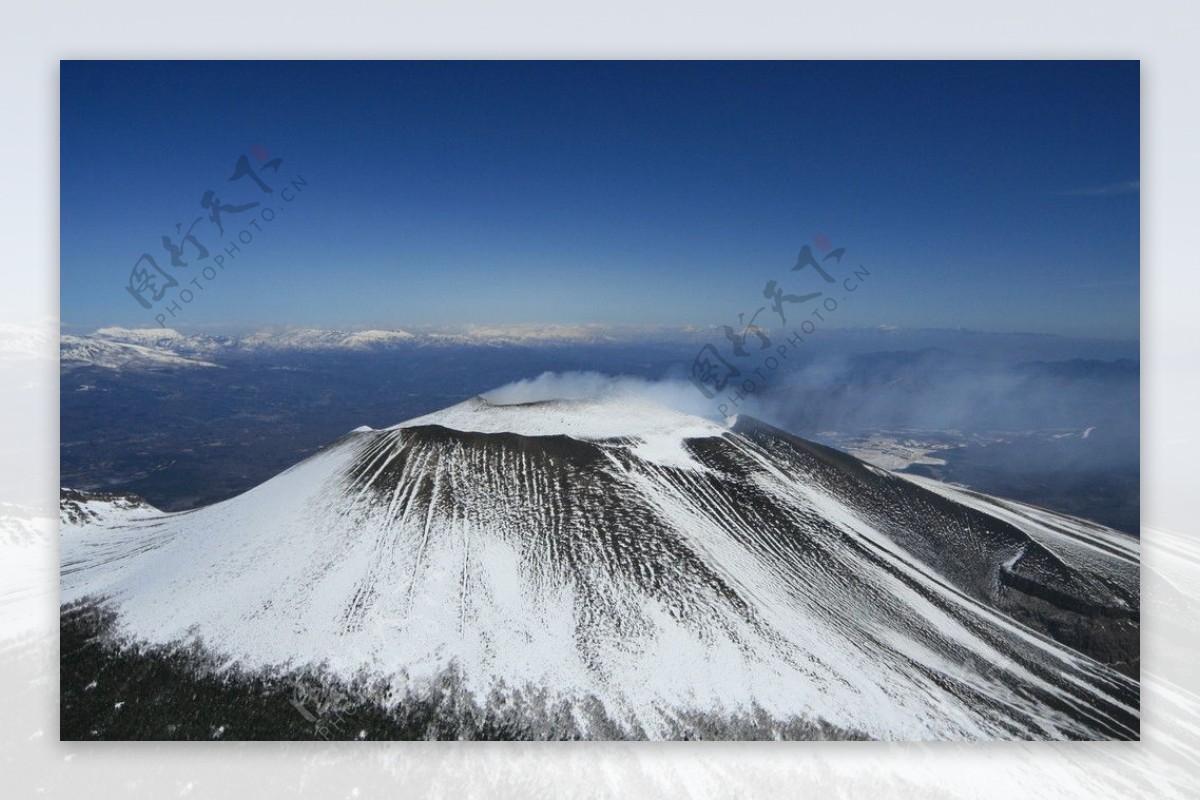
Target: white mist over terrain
(677, 394)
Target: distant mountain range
(151, 348)
(97, 351)
(98, 347)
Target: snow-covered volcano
(646, 573)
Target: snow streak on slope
(1082, 544)
(645, 567)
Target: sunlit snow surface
(657, 563)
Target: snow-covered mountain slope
(77, 352)
(79, 510)
(1085, 547)
(652, 574)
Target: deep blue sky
(988, 195)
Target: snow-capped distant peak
(138, 336)
(320, 339)
(77, 351)
(376, 337)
